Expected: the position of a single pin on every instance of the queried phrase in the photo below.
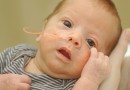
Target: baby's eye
(67, 23)
(91, 42)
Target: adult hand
(118, 53)
(116, 58)
(14, 82)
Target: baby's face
(68, 36)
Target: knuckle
(101, 54)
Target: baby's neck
(32, 68)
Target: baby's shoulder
(25, 49)
(20, 49)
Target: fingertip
(24, 86)
(27, 79)
(93, 51)
(25, 76)
(127, 32)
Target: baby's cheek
(85, 58)
(84, 54)
(87, 55)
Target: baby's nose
(75, 39)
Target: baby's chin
(66, 77)
(63, 76)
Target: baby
(73, 49)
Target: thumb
(121, 47)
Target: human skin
(125, 69)
(14, 82)
(120, 66)
(118, 78)
(57, 66)
(94, 72)
(83, 24)
(125, 73)
(83, 82)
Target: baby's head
(71, 30)
(113, 19)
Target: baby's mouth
(65, 52)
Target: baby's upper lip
(65, 51)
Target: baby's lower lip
(65, 53)
(62, 57)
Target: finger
(121, 47)
(107, 64)
(93, 53)
(107, 61)
(24, 86)
(128, 34)
(25, 79)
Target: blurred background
(16, 14)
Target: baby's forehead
(82, 5)
(107, 5)
(77, 2)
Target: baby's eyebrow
(70, 14)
